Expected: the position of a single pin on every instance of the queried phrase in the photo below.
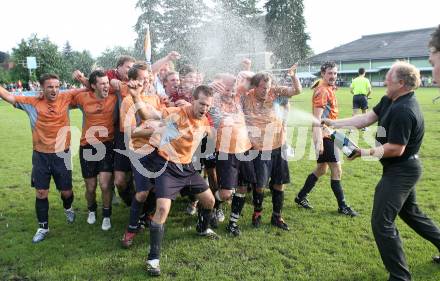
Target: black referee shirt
(402, 123)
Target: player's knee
(119, 181)
(225, 194)
(162, 213)
(66, 193)
(141, 196)
(208, 201)
(41, 193)
(320, 171)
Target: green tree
(75, 60)
(174, 25)
(108, 58)
(48, 58)
(242, 8)
(5, 76)
(285, 31)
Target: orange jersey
(232, 134)
(324, 97)
(265, 126)
(182, 134)
(130, 119)
(96, 112)
(49, 121)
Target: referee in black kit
(399, 114)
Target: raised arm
(6, 96)
(172, 56)
(358, 121)
(79, 76)
(296, 84)
(145, 110)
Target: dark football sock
(42, 210)
(339, 192)
(156, 237)
(308, 186)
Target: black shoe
(233, 229)
(279, 222)
(256, 219)
(145, 222)
(303, 202)
(348, 211)
(436, 259)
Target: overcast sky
(97, 25)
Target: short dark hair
(361, 71)
(186, 69)
(133, 71)
(124, 59)
(47, 76)
(435, 40)
(202, 89)
(326, 65)
(94, 75)
(261, 76)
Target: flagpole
(147, 45)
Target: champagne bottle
(341, 141)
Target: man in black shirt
(400, 134)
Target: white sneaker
(40, 235)
(220, 215)
(191, 209)
(91, 219)
(70, 215)
(153, 267)
(106, 224)
(209, 233)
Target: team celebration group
(151, 133)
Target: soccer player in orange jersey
(325, 106)
(49, 118)
(96, 152)
(184, 128)
(137, 133)
(267, 135)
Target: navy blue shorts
(330, 155)
(90, 168)
(271, 165)
(173, 180)
(232, 173)
(47, 165)
(360, 101)
(121, 162)
(141, 178)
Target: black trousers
(396, 195)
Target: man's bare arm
(6, 96)
(358, 121)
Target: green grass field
(321, 245)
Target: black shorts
(91, 168)
(271, 165)
(360, 101)
(47, 165)
(330, 155)
(173, 180)
(121, 162)
(232, 173)
(206, 161)
(142, 179)
(210, 161)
